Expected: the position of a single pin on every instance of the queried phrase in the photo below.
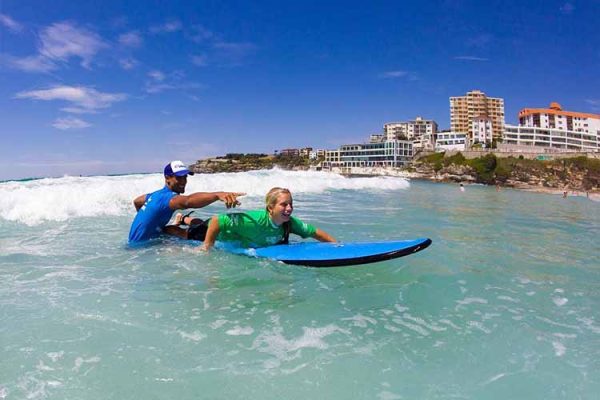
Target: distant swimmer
(565, 194)
(154, 210)
(269, 226)
(462, 187)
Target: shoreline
(592, 195)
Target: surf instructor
(154, 210)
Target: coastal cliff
(575, 174)
(235, 162)
(580, 174)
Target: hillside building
(464, 109)
(420, 131)
(388, 153)
(555, 129)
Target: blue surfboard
(319, 254)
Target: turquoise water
(504, 304)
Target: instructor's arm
(202, 199)
(211, 234)
(139, 201)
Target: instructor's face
(176, 183)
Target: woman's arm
(323, 236)
(211, 234)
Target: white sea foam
(240, 331)
(79, 361)
(273, 342)
(559, 348)
(361, 321)
(560, 301)
(471, 300)
(195, 336)
(60, 199)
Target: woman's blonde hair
(273, 194)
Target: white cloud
(31, 63)
(131, 39)
(83, 99)
(394, 74)
(199, 60)
(61, 41)
(128, 63)
(167, 27)
(470, 58)
(70, 123)
(157, 75)
(201, 34)
(10, 23)
(160, 82)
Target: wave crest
(59, 199)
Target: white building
(389, 153)
(481, 131)
(559, 139)
(319, 153)
(556, 118)
(554, 128)
(450, 141)
(420, 131)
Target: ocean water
(504, 304)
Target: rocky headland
(579, 175)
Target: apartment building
(555, 129)
(481, 132)
(420, 131)
(447, 140)
(464, 109)
(556, 118)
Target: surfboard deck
(319, 254)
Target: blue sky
(92, 87)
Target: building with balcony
(420, 131)
(555, 129)
(447, 140)
(550, 139)
(389, 153)
(556, 118)
(464, 109)
(481, 132)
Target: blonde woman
(262, 228)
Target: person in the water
(261, 228)
(154, 210)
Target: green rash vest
(255, 229)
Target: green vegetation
(490, 169)
(243, 156)
(236, 162)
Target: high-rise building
(463, 109)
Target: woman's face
(282, 209)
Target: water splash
(60, 199)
